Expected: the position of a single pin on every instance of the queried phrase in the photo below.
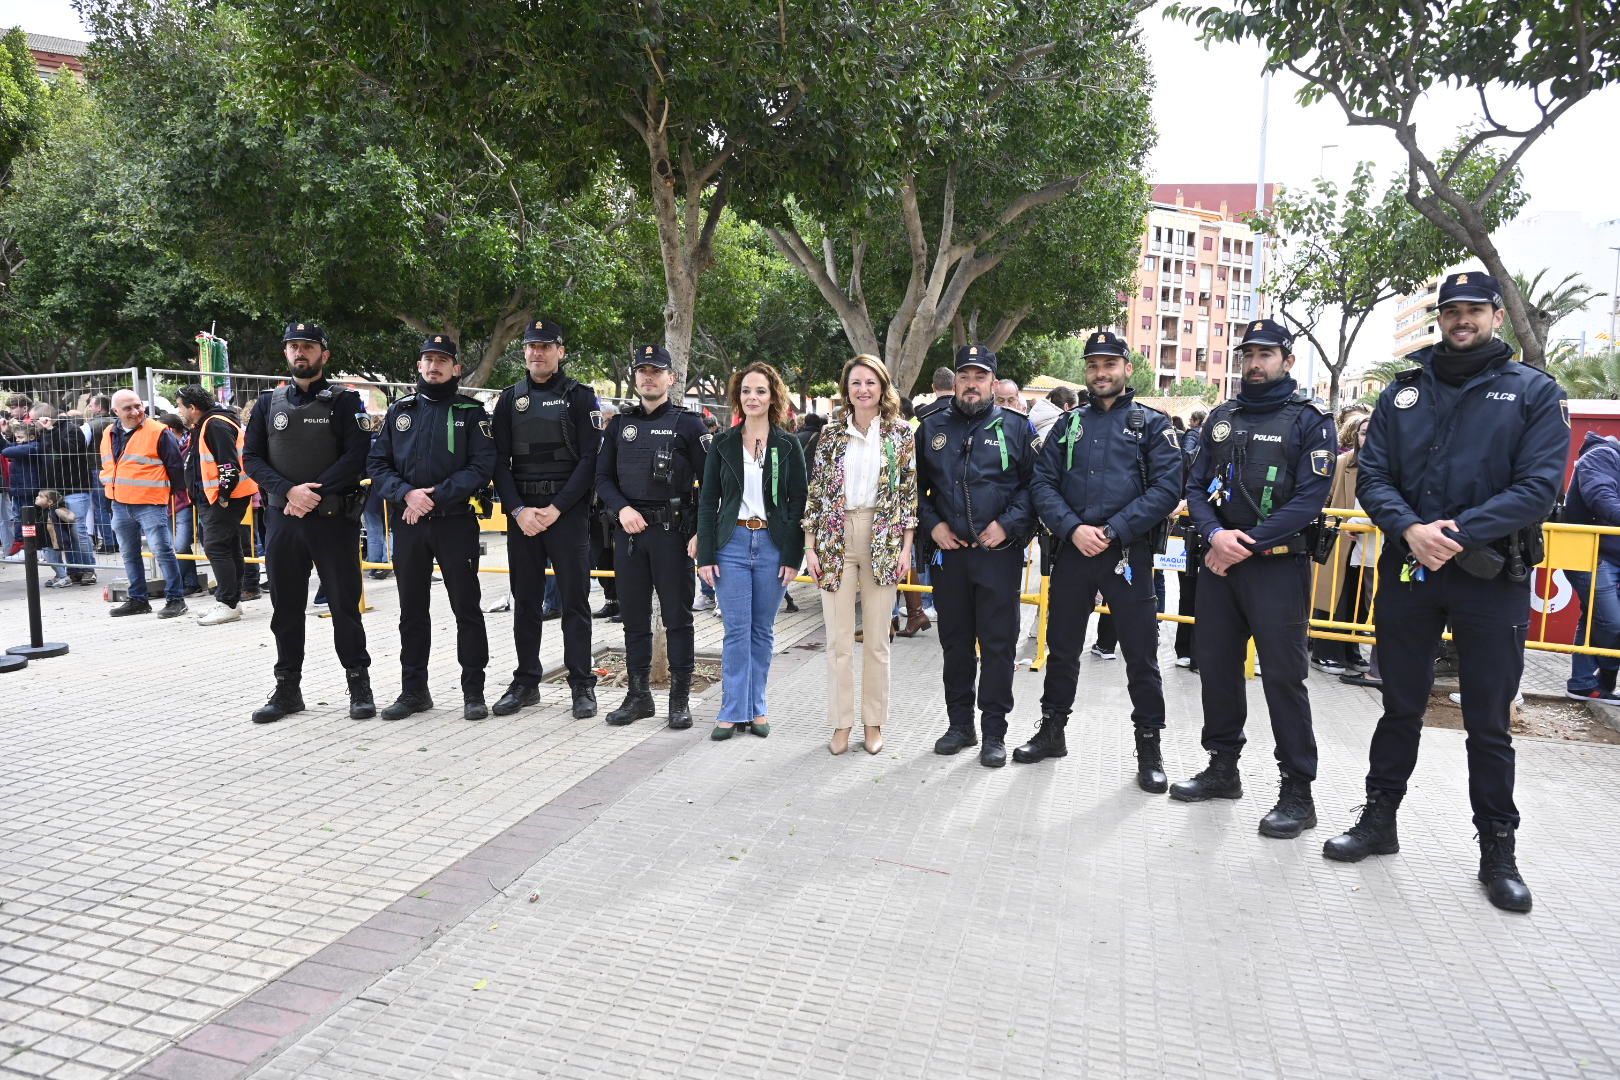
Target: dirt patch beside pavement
(1540, 718)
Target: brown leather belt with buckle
(753, 524)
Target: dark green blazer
(720, 496)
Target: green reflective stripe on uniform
(1071, 437)
(450, 428)
(1001, 441)
(1265, 496)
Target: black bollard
(37, 648)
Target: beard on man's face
(971, 405)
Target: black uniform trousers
(566, 545)
(602, 551)
(1076, 580)
(655, 559)
(452, 540)
(1187, 604)
(222, 543)
(1268, 598)
(977, 593)
(1488, 623)
(331, 545)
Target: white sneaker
(1456, 698)
(1183, 661)
(219, 613)
(20, 556)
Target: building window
(1220, 302)
(1186, 355)
(1147, 294)
(1220, 331)
(1186, 327)
(1209, 243)
(1149, 263)
(1219, 355)
(1147, 322)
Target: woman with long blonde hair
(858, 525)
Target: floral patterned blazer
(896, 509)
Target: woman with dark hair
(749, 542)
(858, 526)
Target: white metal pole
(1260, 197)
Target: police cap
(304, 331)
(653, 356)
(1470, 287)
(975, 356)
(1105, 343)
(1267, 332)
(439, 343)
(544, 331)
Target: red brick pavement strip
(254, 1030)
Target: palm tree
(1550, 306)
(1596, 375)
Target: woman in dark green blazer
(750, 540)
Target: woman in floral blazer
(858, 523)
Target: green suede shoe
(760, 728)
(721, 734)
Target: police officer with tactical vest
(974, 466)
(306, 448)
(1255, 493)
(1106, 480)
(547, 433)
(1463, 462)
(652, 455)
(432, 453)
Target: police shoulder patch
(1171, 438)
(938, 442)
(1563, 410)
(1221, 431)
(402, 422)
(629, 433)
(521, 403)
(707, 440)
(1406, 397)
(280, 421)
(596, 419)
(1321, 462)
(486, 427)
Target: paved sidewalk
(760, 908)
(187, 896)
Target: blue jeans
(749, 590)
(1583, 670)
(103, 527)
(377, 535)
(129, 521)
(185, 530)
(82, 557)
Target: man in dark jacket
(1462, 465)
(1594, 499)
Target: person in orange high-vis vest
(140, 466)
(221, 492)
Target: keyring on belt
(753, 524)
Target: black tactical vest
(1252, 456)
(643, 455)
(545, 446)
(303, 440)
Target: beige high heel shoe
(840, 741)
(870, 745)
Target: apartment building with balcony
(1195, 282)
(1415, 325)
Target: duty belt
(1294, 545)
(539, 487)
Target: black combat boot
(361, 705)
(472, 705)
(1294, 812)
(1499, 869)
(680, 689)
(409, 703)
(954, 741)
(584, 702)
(638, 703)
(1149, 762)
(1048, 741)
(1373, 834)
(284, 701)
(517, 696)
(1219, 781)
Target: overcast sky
(1207, 106)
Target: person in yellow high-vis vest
(140, 469)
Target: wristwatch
(1109, 534)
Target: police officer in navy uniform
(306, 446)
(1256, 492)
(1106, 480)
(1463, 462)
(974, 465)
(547, 433)
(652, 456)
(434, 451)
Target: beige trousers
(838, 613)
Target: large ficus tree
(1527, 63)
(976, 138)
(1344, 253)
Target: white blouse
(863, 461)
(753, 498)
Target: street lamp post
(1614, 296)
